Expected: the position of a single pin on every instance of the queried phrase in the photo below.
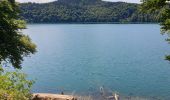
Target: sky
(44, 1)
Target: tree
(164, 7)
(14, 45)
(84, 11)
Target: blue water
(80, 58)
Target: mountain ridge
(84, 11)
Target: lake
(81, 58)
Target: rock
(46, 96)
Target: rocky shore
(47, 96)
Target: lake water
(81, 58)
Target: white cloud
(43, 1)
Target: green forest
(85, 11)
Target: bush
(14, 86)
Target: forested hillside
(67, 11)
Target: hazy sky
(42, 1)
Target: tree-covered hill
(68, 11)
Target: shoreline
(52, 96)
(96, 23)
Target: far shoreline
(96, 23)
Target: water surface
(80, 58)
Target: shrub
(14, 86)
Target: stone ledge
(47, 96)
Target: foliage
(164, 7)
(13, 44)
(13, 47)
(84, 11)
(14, 86)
